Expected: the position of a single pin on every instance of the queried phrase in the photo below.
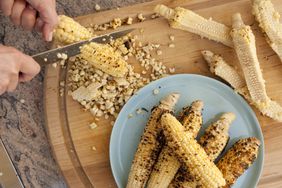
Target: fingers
(14, 67)
(29, 68)
(39, 25)
(14, 80)
(4, 85)
(28, 18)
(25, 78)
(17, 10)
(47, 11)
(6, 6)
(47, 32)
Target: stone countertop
(21, 113)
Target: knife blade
(50, 56)
(8, 174)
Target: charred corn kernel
(167, 164)
(238, 159)
(191, 153)
(69, 31)
(213, 142)
(103, 57)
(245, 47)
(220, 68)
(150, 144)
(184, 19)
(268, 19)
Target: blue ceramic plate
(217, 97)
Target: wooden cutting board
(67, 122)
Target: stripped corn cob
(268, 20)
(105, 58)
(238, 159)
(188, 20)
(191, 153)
(167, 165)
(245, 47)
(231, 75)
(150, 144)
(213, 142)
(69, 31)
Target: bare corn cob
(69, 31)
(150, 145)
(245, 47)
(219, 67)
(238, 159)
(105, 58)
(268, 19)
(167, 165)
(188, 20)
(213, 142)
(191, 153)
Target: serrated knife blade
(8, 174)
(50, 56)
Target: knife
(50, 56)
(8, 174)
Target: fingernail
(50, 36)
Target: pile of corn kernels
(105, 95)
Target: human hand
(25, 12)
(15, 67)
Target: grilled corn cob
(244, 44)
(219, 67)
(238, 159)
(216, 136)
(268, 19)
(105, 58)
(69, 31)
(150, 145)
(191, 153)
(167, 165)
(184, 19)
(213, 142)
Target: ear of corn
(191, 153)
(167, 164)
(188, 20)
(238, 159)
(216, 136)
(105, 58)
(150, 144)
(213, 142)
(268, 19)
(69, 31)
(220, 68)
(244, 44)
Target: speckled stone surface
(22, 124)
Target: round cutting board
(67, 123)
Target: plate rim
(189, 76)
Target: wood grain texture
(67, 123)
